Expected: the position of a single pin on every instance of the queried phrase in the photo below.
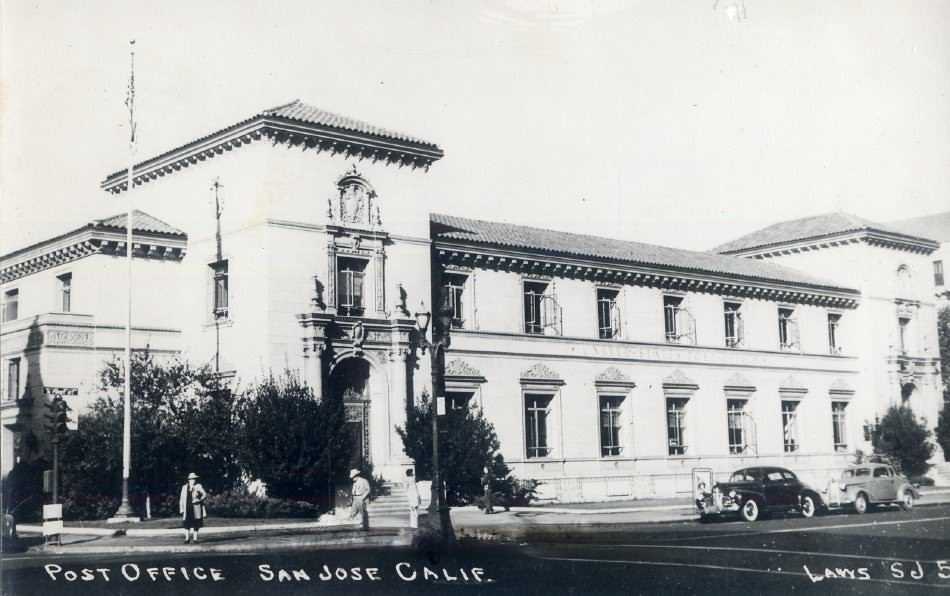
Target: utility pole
(124, 513)
(219, 257)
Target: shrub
(900, 436)
(80, 507)
(467, 446)
(294, 443)
(238, 503)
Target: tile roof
(302, 112)
(446, 227)
(817, 226)
(293, 112)
(141, 222)
(935, 226)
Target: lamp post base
(123, 514)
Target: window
(774, 476)
(11, 305)
(881, 473)
(862, 472)
(65, 291)
(790, 425)
(679, 323)
(536, 424)
(833, 321)
(350, 276)
(903, 324)
(13, 379)
(608, 313)
(458, 400)
(904, 282)
(838, 425)
(735, 414)
(453, 286)
(611, 410)
(541, 310)
(219, 291)
(676, 426)
(732, 314)
(787, 329)
(938, 273)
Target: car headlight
(732, 494)
(842, 486)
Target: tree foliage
(902, 437)
(296, 444)
(467, 444)
(943, 341)
(942, 431)
(182, 421)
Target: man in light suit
(360, 497)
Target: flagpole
(124, 513)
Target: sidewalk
(331, 533)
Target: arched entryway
(349, 383)
(907, 392)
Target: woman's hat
(192, 476)
(354, 472)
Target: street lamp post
(439, 519)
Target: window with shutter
(219, 290)
(608, 314)
(350, 286)
(11, 305)
(732, 316)
(787, 329)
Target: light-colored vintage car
(864, 485)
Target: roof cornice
(317, 137)
(87, 241)
(474, 255)
(872, 237)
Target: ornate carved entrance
(349, 383)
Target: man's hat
(354, 472)
(192, 476)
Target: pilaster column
(399, 397)
(379, 275)
(313, 367)
(330, 298)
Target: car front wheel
(861, 503)
(808, 507)
(750, 510)
(907, 500)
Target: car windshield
(743, 476)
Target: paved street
(890, 552)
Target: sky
(678, 122)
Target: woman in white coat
(191, 505)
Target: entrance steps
(391, 502)
(940, 473)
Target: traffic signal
(58, 417)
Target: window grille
(676, 426)
(537, 409)
(839, 425)
(611, 411)
(790, 426)
(735, 414)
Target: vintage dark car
(755, 492)
(865, 485)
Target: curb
(354, 541)
(602, 511)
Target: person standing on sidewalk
(191, 505)
(412, 495)
(487, 487)
(360, 497)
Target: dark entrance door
(349, 383)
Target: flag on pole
(130, 95)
